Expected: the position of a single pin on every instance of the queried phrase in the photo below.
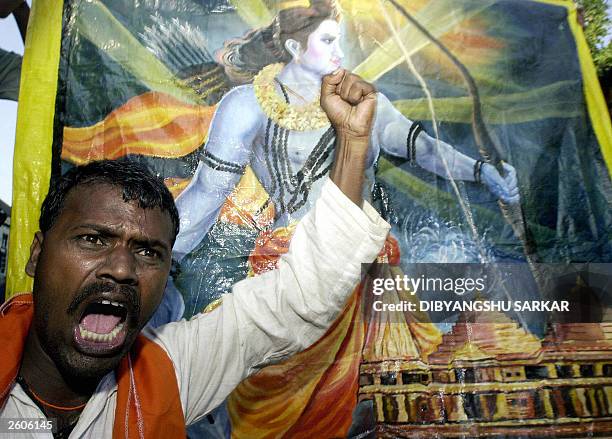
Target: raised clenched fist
(349, 102)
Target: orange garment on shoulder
(148, 400)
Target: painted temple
(489, 377)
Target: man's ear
(294, 48)
(35, 249)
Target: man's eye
(92, 239)
(149, 253)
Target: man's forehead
(104, 204)
(94, 198)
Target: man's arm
(281, 312)
(278, 313)
(21, 12)
(350, 104)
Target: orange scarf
(148, 402)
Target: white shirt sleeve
(276, 314)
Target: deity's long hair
(244, 57)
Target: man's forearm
(7, 7)
(22, 15)
(21, 12)
(349, 166)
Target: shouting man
(73, 351)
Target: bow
(490, 151)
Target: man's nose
(119, 266)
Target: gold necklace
(308, 117)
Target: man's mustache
(96, 288)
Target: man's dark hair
(136, 181)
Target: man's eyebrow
(107, 231)
(329, 36)
(152, 243)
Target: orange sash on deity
(153, 124)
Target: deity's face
(323, 54)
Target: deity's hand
(504, 188)
(349, 102)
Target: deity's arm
(401, 137)
(226, 154)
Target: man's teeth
(108, 302)
(94, 336)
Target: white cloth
(264, 320)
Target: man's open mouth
(103, 326)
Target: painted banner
(220, 99)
